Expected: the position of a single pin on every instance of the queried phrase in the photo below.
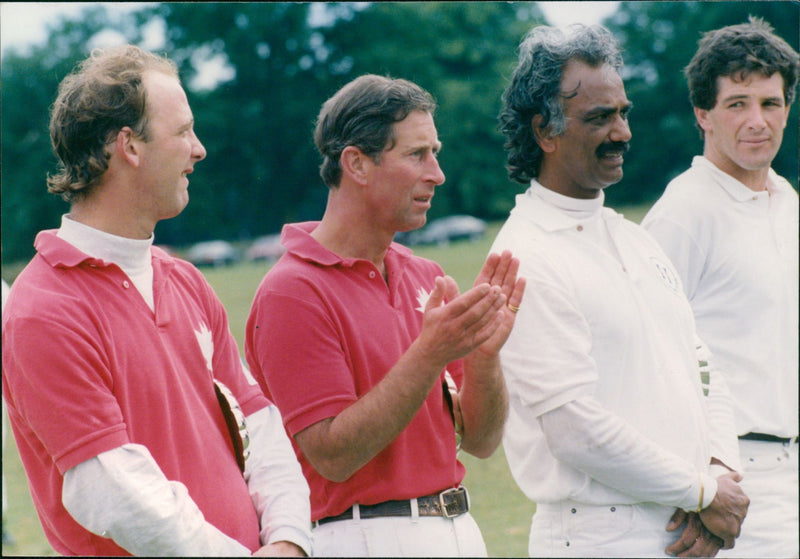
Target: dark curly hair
(738, 51)
(535, 88)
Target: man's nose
(435, 170)
(621, 131)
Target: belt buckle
(451, 491)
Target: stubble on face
(744, 130)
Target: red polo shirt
(322, 332)
(87, 367)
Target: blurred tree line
(278, 62)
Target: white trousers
(770, 480)
(570, 529)
(400, 536)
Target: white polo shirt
(736, 251)
(606, 405)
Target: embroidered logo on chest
(666, 274)
(206, 343)
(422, 299)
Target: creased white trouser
(771, 481)
(400, 536)
(570, 529)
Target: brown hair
(101, 96)
(362, 114)
(736, 52)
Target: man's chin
(612, 178)
(417, 224)
(175, 211)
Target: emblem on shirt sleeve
(667, 274)
(206, 343)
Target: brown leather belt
(449, 503)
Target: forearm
(612, 452)
(340, 446)
(724, 442)
(123, 495)
(279, 491)
(484, 405)
(483, 397)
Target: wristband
(702, 489)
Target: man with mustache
(609, 431)
(729, 224)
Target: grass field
(501, 510)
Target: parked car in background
(168, 249)
(444, 230)
(267, 248)
(212, 253)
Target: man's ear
(702, 119)
(786, 116)
(127, 146)
(355, 164)
(542, 134)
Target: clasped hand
(715, 527)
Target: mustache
(621, 147)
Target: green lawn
(501, 510)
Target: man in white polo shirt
(609, 431)
(729, 224)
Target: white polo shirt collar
(556, 212)
(735, 188)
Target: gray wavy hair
(535, 88)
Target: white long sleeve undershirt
(131, 255)
(609, 450)
(123, 495)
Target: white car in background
(212, 253)
(444, 230)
